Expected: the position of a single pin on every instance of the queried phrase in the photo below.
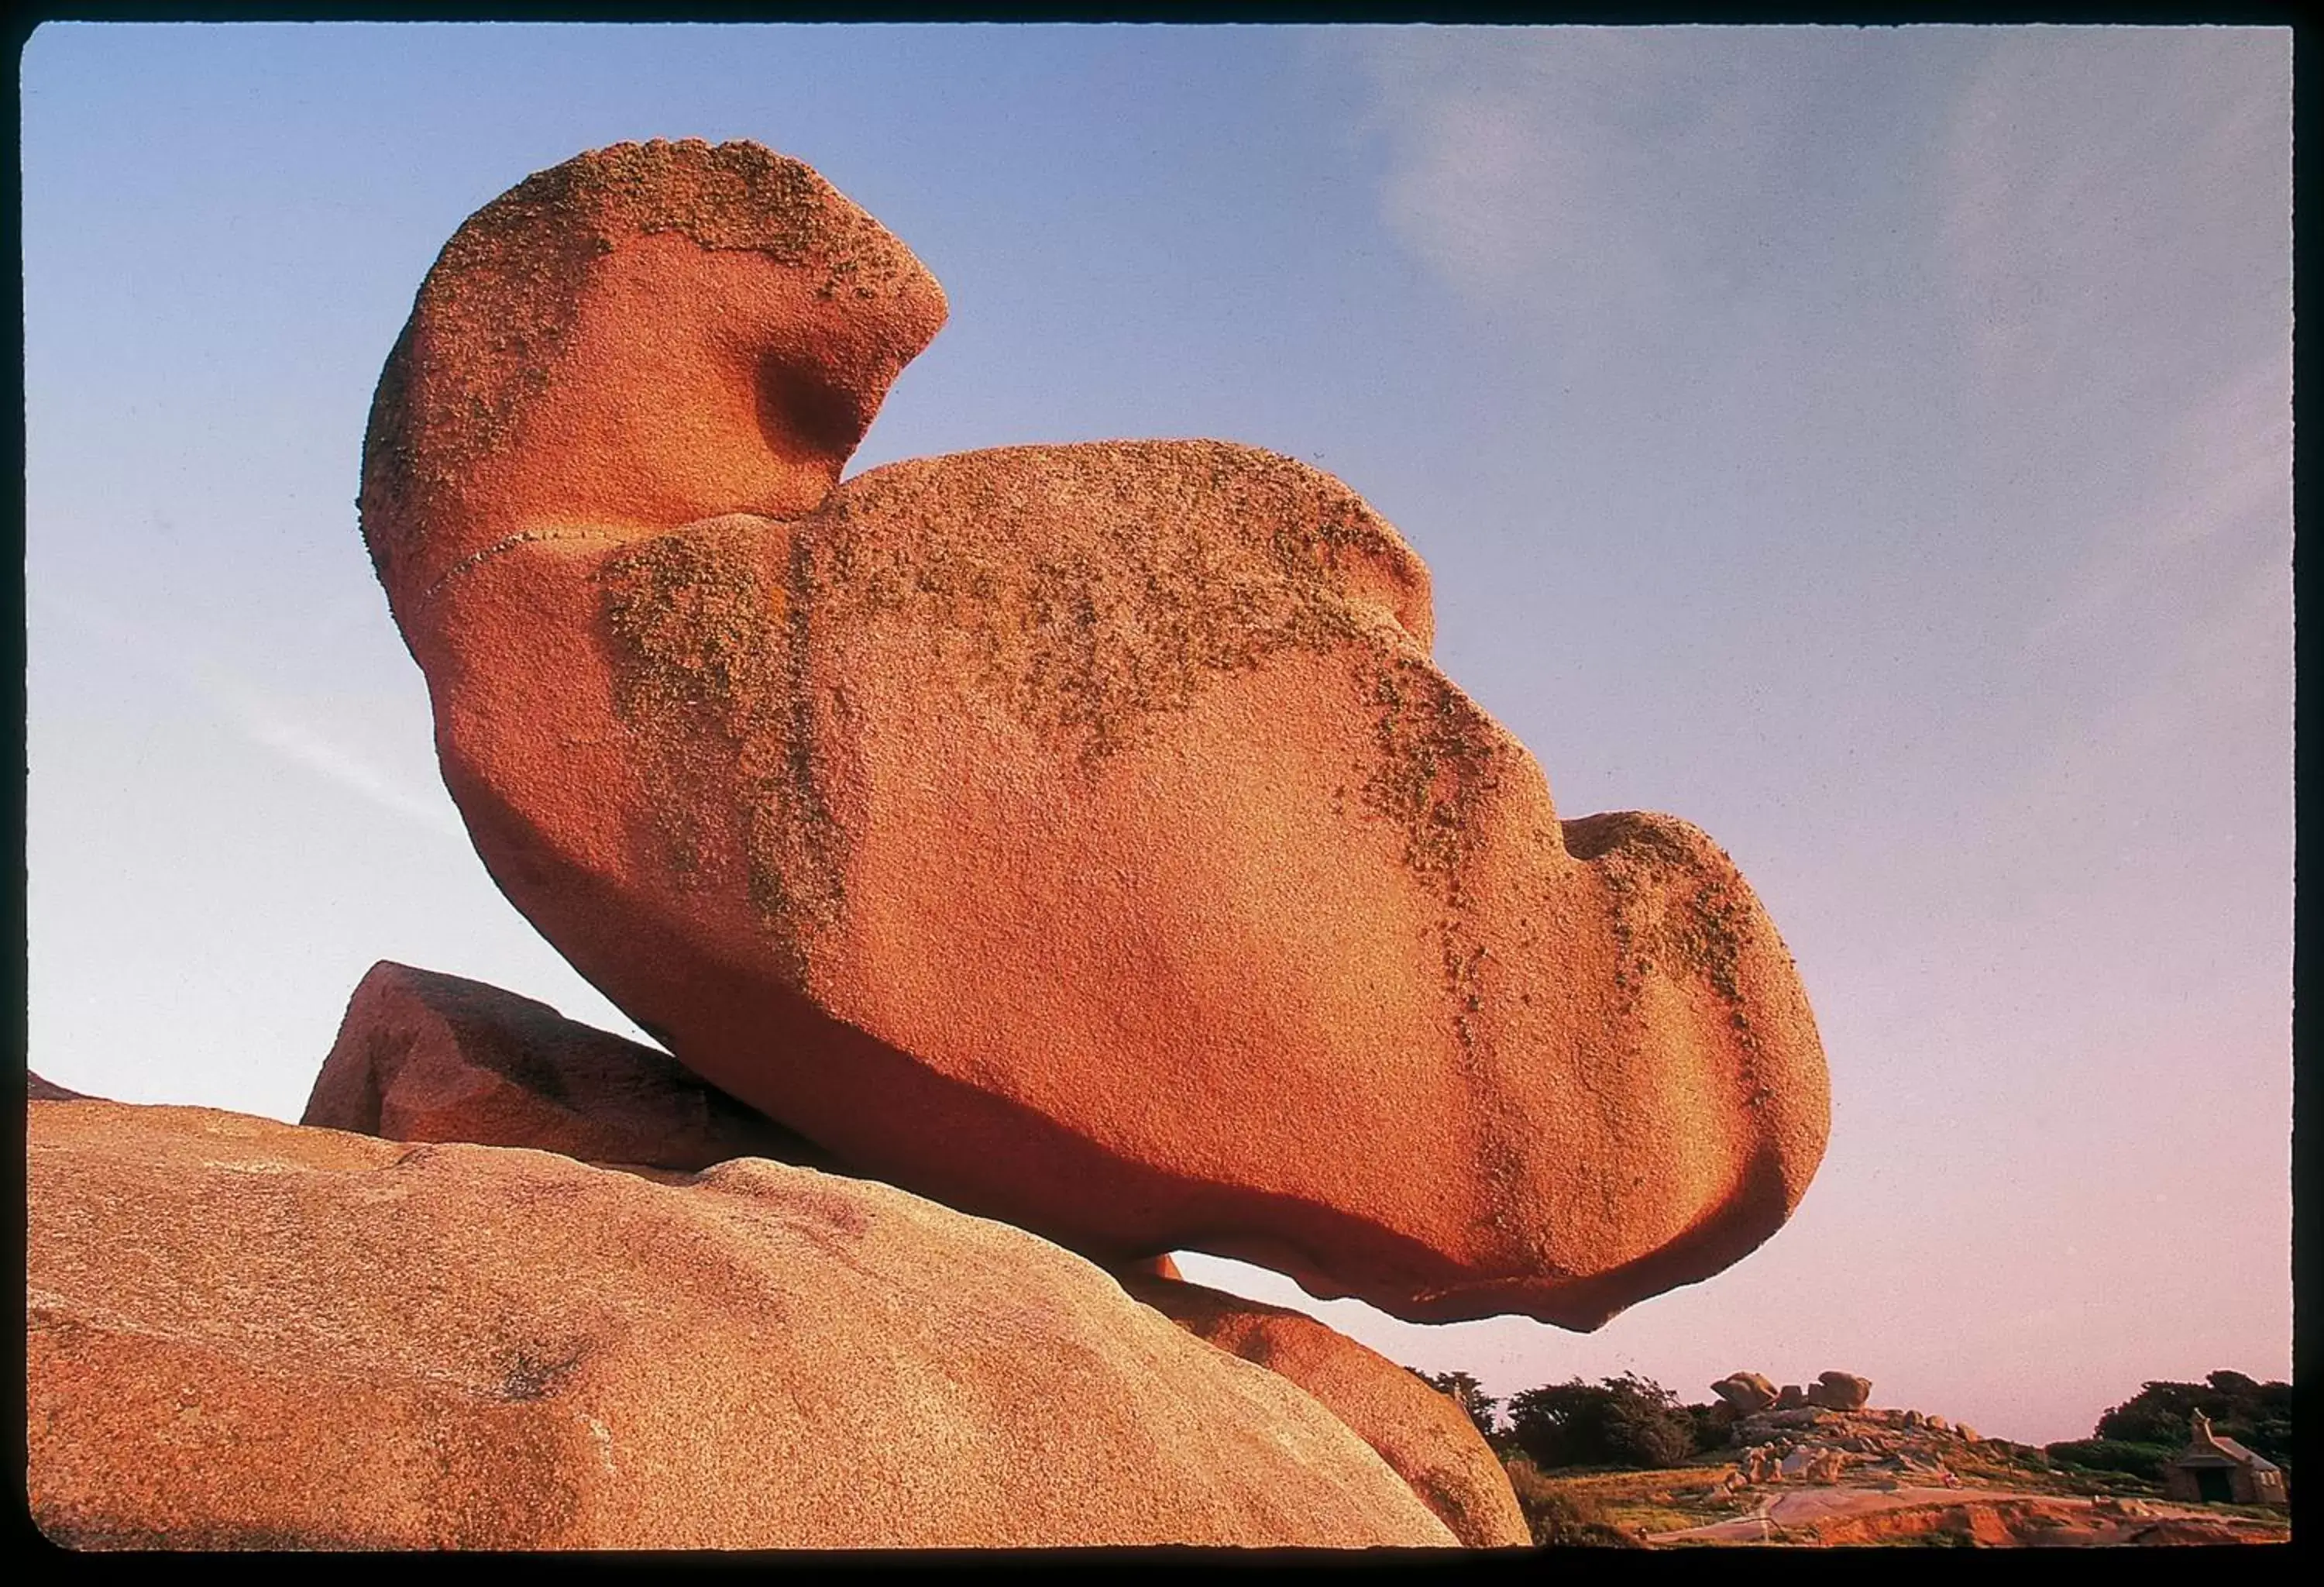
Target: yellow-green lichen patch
(1676, 903)
(1093, 588)
(392, 495)
(1089, 591)
(738, 195)
(484, 334)
(1437, 758)
(708, 671)
(500, 302)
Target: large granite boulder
(242, 1333)
(1080, 835)
(1429, 1439)
(426, 1056)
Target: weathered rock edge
(1430, 1442)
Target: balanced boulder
(1425, 1438)
(242, 1333)
(426, 1056)
(1080, 835)
(1747, 1392)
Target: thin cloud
(2213, 502)
(257, 714)
(266, 722)
(1591, 175)
(2116, 235)
(2104, 190)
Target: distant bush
(2255, 1415)
(1465, 1392)
(2112, 1455)
(2026, 1457)
(1710, 1432)
(1626, 1421)
(1561, 1518)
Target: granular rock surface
(1080, 835)
(242, 1333)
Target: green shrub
(1627, 1421)
(1710, 1432)
(2113, 1454)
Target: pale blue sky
(1871, 445)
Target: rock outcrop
(37, 1090)
(246, 1333)
(426, 1056)
(1814, 1444)
(1747, 1392)
(1080, 835)
(1425, 1438)
(1840, 1391)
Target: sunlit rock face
(1425, 1438)
(1080, 835)
(246, 1334)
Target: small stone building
(2213, 1470)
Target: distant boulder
(1840, 1391)
(1747, 1392)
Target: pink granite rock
(1080, 835)
(247, 1334)
(1428, 1441)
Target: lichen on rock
(708, 672)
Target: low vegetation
(1561, 1514)
(2112, 1455)
(1609, 1463)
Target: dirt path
(1790, 1511)
(1994, 1516)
